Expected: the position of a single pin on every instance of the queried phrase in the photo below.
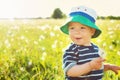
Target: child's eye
(83, 28)
(71, 28)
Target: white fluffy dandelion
(7, 43)
(41, 37)
(52, 34)
(111, 47)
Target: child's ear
(92, 31)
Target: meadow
(33, 49)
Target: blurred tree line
(109, 17)
(58, 14)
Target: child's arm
(114, 68)
(78, 70)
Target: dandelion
(111, 36)
(22, 37)
(54, 46)
(44, 55)
(118, 52)
(98, 40)
(56, 41)
(52, 34)
(42, 28)
(12, 59)
(43, 58)
(26, 41)
(22, 69)
(112, 21)
(7, 43)
(63, 49)
(9, 32)
(111, 47)
(43, 48)
(35, 42)
(15, 27)
(104, 44)
(111, 32)
(110, 29)
(41, 37)
(30, 63)
(56, 28)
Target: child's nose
(77, 31)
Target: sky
(45, 8)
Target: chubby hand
(114, 68)
(96, 63)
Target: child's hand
(114, 68)
(96, 63)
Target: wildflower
(118, 52)
(111, 47)
(43, 48)
(41, 37)
(52, 34)
(22, 37)
(35, 42)
(7, 43)
(30, 63)
(22, 69)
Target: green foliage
(109, 17)
(33, 49)
(58, 14)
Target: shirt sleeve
(69, 60)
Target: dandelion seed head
(35, 42)
(56, 28)
(44, 53)
(118, 52)
(30, 63)
(104, 44)
(41, 37)
(43, 48)
(52, 34)
(7, 43)
(111, 47)
(54, 46)
(22, 69)
(22, 37)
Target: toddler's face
(80, 34)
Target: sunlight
(45, 8)
(8, 8)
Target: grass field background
(33, 49)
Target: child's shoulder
(71, 46)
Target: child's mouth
(78, 38)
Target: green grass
(33, 49)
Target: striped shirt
(76, 55)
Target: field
(33, 49)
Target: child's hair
(85, 16)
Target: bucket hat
(83, 15)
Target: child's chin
(79, 44)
